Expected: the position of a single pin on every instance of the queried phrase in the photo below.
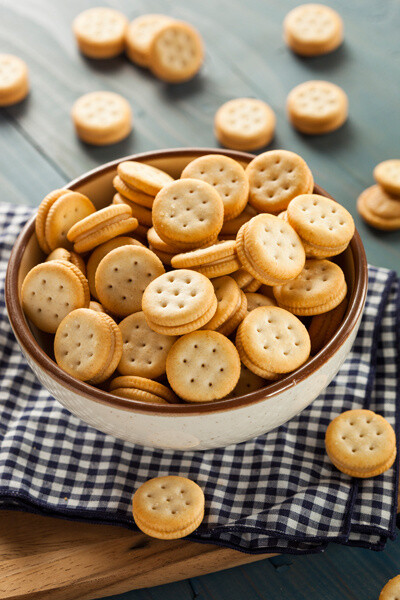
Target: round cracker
(144, 352)
(244, 124)
(122, 277)
(226, 175)
(203, 366)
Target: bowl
(181, 426)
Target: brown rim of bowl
(28, 342)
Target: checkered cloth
(277, 493)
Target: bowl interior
(97, 185)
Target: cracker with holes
(313, 29)
(387, 175)
(361, 443)
(227, 176)
(323, 327)
(139, 36)
(14, 84)
(102, 118)
(100, 32)
(203, 366)
(275, 178)
(317, 107)
(176, 52)
(188, 213)
(100, 252)
(271, 342)
(142, 389)
(131, 193)
(231, 308)
(122, 277)
(145, 178)
(88, 345)
(101, 226)
(169, 507)
(144, 351)
(320, 287)
(50, 291)
(248, 382)
(324, 226)
(270, 249)
(391, 591)
(244, 124)
(213, 261)
(67, 210)
(254, 300)
(179, 302)
(379, 209)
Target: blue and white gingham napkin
(276, 493)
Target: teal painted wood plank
(339, 573)
(245, 56)
(25, 175)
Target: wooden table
(245, 57)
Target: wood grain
(43, 558)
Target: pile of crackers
(195, 289)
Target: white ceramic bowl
(183, 426)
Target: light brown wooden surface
(43, 558)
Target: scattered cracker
(317, 107)
(361, 443)
(139, 37)
(14, 84)
(313, 29)
(387, 174)
(391, 590)
(176, 52)
(379, 209)
(100, 32)
(244, 124)
(168, 507)
(102, 118)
